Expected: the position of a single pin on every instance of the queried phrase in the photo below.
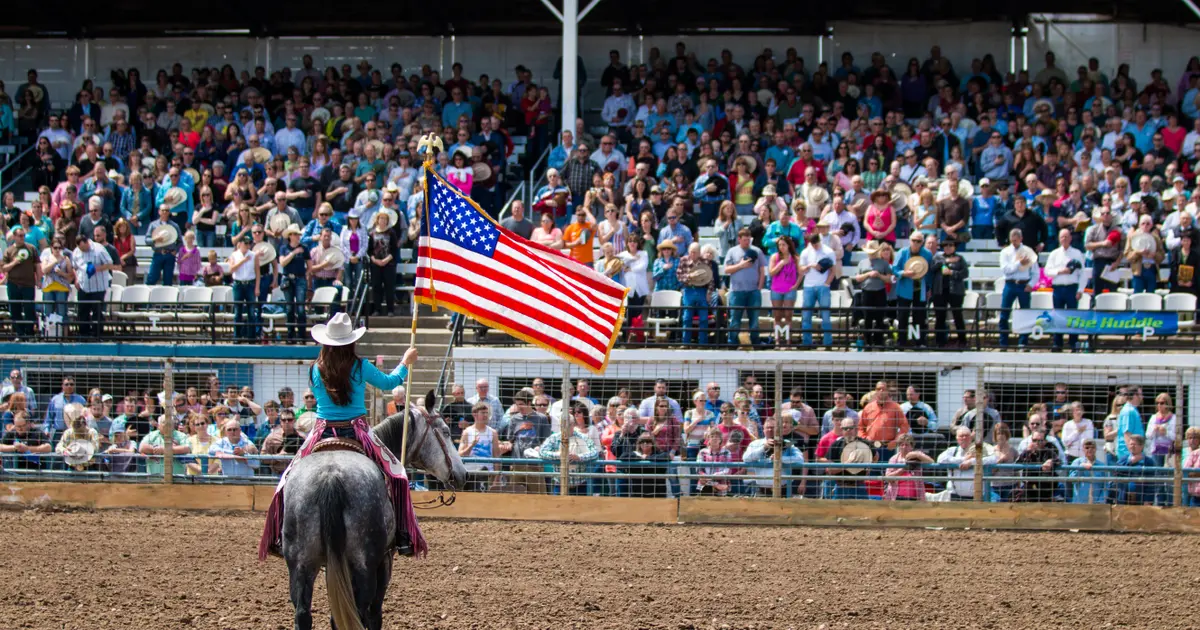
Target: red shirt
(795, 174)
(823, 445)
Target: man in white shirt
(911, 169)
(646, 407)
(1019, 264)
(619, 108)
(962, 478)
(817, 263)
(1065, 267)
(244, 270)
(16, 384)
(609, 158)
(482, 386)
(1190, 141)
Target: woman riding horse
(338, 379)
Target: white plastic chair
(194, 303)
(1111, 302)
(164, 302)
(1145, 302)
(119, 279)
(1041, 301)
(1185, 305)
(671, 300)
(132, 299)
(323, 299)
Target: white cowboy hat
(78, 453)
(279, 222)
(306, 421)
(174, 197)
(340, 331)
(264, 252)
(333, 255)
(393, 218)
(164, 235)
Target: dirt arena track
(163, 570)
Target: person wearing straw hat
(176, 192)
(294, 263)
(326, 271)
(912, 288)
(244, 269)
(1019, 264)
(79, 442)
(163, 238)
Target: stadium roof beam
(570, 17)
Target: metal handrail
(544, 157)
(13, 162)
(455, 332)
(17, 158)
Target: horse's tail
(331, 499)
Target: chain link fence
(855, 425)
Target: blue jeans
(206, 239)
(817, 296)
(162, 268)
(850, 490)
(744, 303)
(1064, 297)
(1146, 281)
(695, 304)
(352, 274)
(294, 289)
(1013, 292)
(244, 305)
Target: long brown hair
(337, 365)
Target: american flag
(471, 265)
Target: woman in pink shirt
(188, 259)
(459, 174)
(546, 234)
(881, 218)
(910, 460)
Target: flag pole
(432, 144)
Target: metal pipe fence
(1118, 485)
(658, 424)
(861, 328)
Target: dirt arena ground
(165, 570)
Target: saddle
(339, 444)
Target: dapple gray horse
(337, 514)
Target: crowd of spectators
(1057, 441)
(795, 169)
(211, 159)
(816, 164)
(218, 431)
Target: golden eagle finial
(431, 144)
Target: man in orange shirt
(577, 237)
(882, 421)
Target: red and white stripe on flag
(471, 265)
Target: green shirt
(154, 465)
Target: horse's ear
(430, 402)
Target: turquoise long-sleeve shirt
(366, 372)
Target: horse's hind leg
(382, 577)
(301, 589)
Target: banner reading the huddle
(1073, 322)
